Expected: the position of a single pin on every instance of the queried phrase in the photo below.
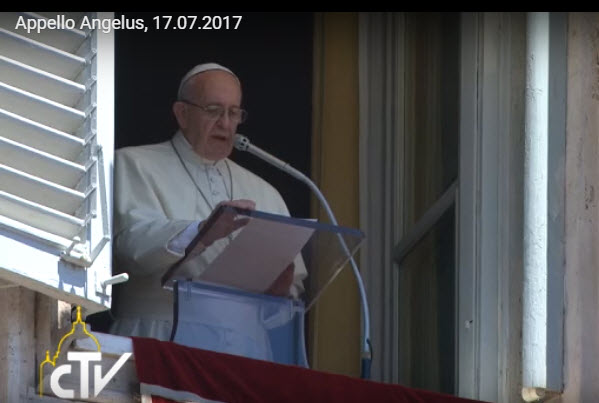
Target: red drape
(170, 371)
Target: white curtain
(381, 139)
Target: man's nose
(224, 120)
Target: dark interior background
(271, 53)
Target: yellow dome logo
(84, 359)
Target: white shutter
(56, 149)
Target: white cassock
(155, 202)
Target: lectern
(218, 287)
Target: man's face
(210, 134)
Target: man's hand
(281, 286)
(228, 222)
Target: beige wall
(581, 359)
(31, 324)
(334, 323)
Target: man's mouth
(221, 137)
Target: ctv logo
(84, 359)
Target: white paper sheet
(257, 255)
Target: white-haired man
(165, 191)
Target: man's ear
(180, 111)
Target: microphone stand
(242, 143)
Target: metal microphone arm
(242, 143)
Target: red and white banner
(169, 372)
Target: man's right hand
(228, 222)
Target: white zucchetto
(200, 68)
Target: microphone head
(242, 143)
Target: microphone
(242, 143)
